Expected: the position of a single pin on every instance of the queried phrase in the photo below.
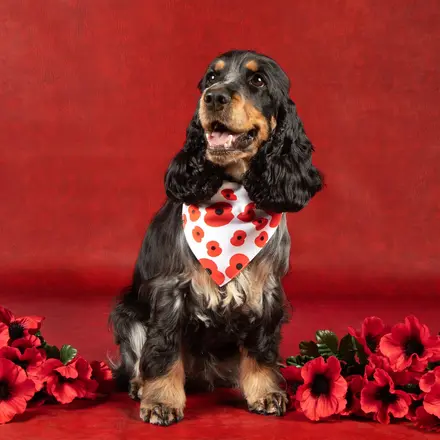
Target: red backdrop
(95, 97)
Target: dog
(184, 323)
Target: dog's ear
(190, 177)
(281, 177)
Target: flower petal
(432, 401)
(369, 403)
(400, 407)
(339, 387)
(333, 368)
(372, 326)
(312, 368)
(6, 316)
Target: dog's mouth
(222, 139)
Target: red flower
(356, 384)
(261, 240)
(30, 360)
(228, 194)
(219, 214)
(194, 213)
(15, 390)
(260, 223)
(248, 214)
(103, 375)
(67, 382)
(214, 249)
(198, 234)
(369, 337)
(410, 345)
(324, 389)
(184, 220)
(238, 238)
(430, 379)
(275, 220)
(236, 264)
(381, 398)
(426, 421)
(431, 402)
(212, 270)
(27, 341)
(12, 328)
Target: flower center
(321, 385)
(4, 390)
(384, 395)
(371, 343)
(414, 346)
(16, 330)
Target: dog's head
(245, 128)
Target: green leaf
(361, 355)
(298, 361)
(347, 349)
(67, 353)
(433, 365)
(327, 343)
(52, 352)
(309, 348)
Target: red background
(95, 97)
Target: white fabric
(226, 233)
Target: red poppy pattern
(228, 194)
(227, 232)
(238, 238)
(214, 249)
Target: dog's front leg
(259, 376)
(161, 367)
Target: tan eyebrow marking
(252, 65)
(219, 65)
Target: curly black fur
(162, 316)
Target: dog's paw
(159, 414)
(271, 404)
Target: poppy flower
(260, 223)
(228, 194)
(410, 345)
(103, 375)
(430, 379)
(194, 213)
(261, 240)
(212, 270)
(12, 328)
(324, 389)
(30, 360)
(214, 249)
(219, 214)
(355, 384)
(248, 214)
(184, 220)
(275, 219)
(382, 399)
(371, 332)
(236, 263)
(15, 390)
(431, 402)
(27, 341)
(238, 238)
(67, 382)
(426, 421)
(198, 234)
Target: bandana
(227, 232)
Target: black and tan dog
(174, 325)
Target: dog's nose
(216, 99)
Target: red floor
(80, 318)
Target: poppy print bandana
(227, 232)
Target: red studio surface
(96, 98)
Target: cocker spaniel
(206, 304)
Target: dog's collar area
(228, 232)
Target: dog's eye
(211, 77)
(257, 80)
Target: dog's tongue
(220, 139)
